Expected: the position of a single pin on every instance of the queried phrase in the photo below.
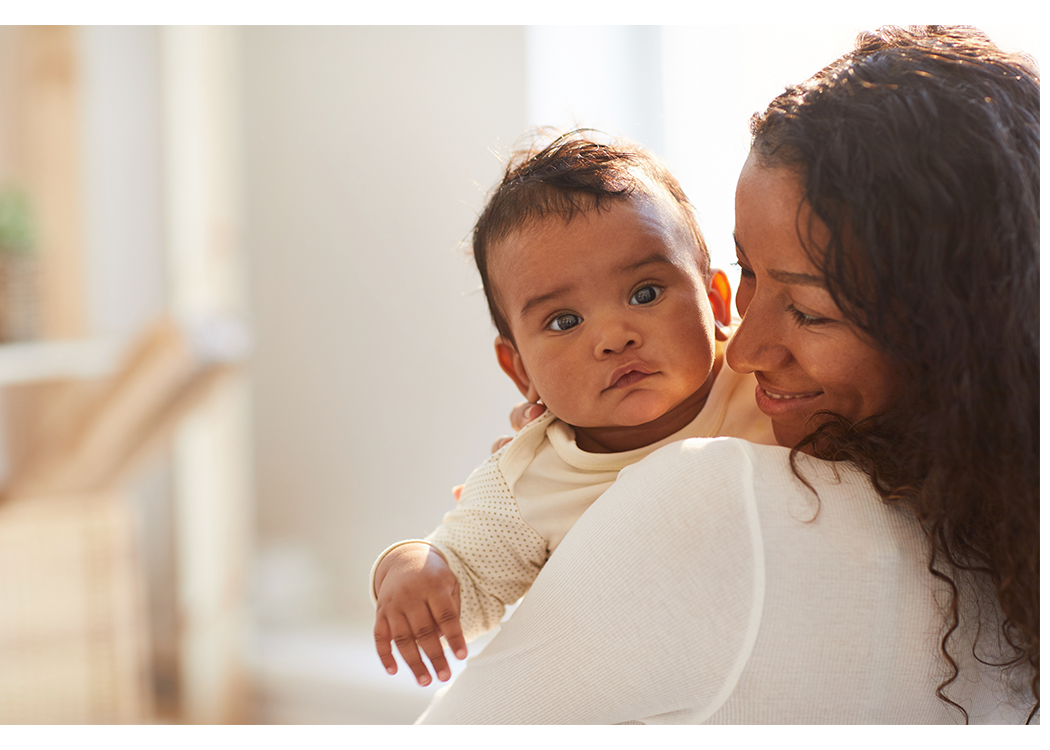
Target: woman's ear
(720, 294)
(510, 362)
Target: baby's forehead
(639, 215)
(584, 208)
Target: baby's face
(609, 312)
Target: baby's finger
(386, 655)
(454, 635)
(445, 611)
(524, 413)
(428, 637)
(500, 442)
(406, 644)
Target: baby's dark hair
(571, 174)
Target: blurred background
(243, 347)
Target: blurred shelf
(40, 361)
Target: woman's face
(793, 337)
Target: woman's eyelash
(802, 319)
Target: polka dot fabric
(494, 553)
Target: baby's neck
(619, 439)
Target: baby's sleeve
(492, 550)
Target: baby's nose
(616, 337)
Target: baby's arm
(459, 580)
(493, 552)
(483, 557)
(417, 602)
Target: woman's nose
(757, 345)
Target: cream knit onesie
(517, 507)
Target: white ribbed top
(705, 587)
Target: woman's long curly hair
(920, 152)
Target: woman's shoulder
(726, 475)
(698, 453)
(709, 480)
(728, 466)
(749, 458)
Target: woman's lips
(778, 403)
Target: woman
(882, 566)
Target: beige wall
(367, 154)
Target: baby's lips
(619, 372)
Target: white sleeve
(493, 552)
(647, 611)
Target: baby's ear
(720, 294)
(510, 361)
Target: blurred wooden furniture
(73, 625)
(74, 628)
(40, 100)
(90, 438)
(77, 415)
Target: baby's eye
(564, 322)
(645, 295)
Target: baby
(599, 283)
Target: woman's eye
(745, 272)
(645, 295)
(803, 319)
(564, 322)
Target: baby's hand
(520, 416)
(418, 602)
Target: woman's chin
(788, 434)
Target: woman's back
(743, 604)
(854, 571)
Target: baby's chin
(620, 418)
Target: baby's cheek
(563, 394)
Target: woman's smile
(775, 403)
(792, 336)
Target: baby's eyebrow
(648, 260)
(540, 299)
